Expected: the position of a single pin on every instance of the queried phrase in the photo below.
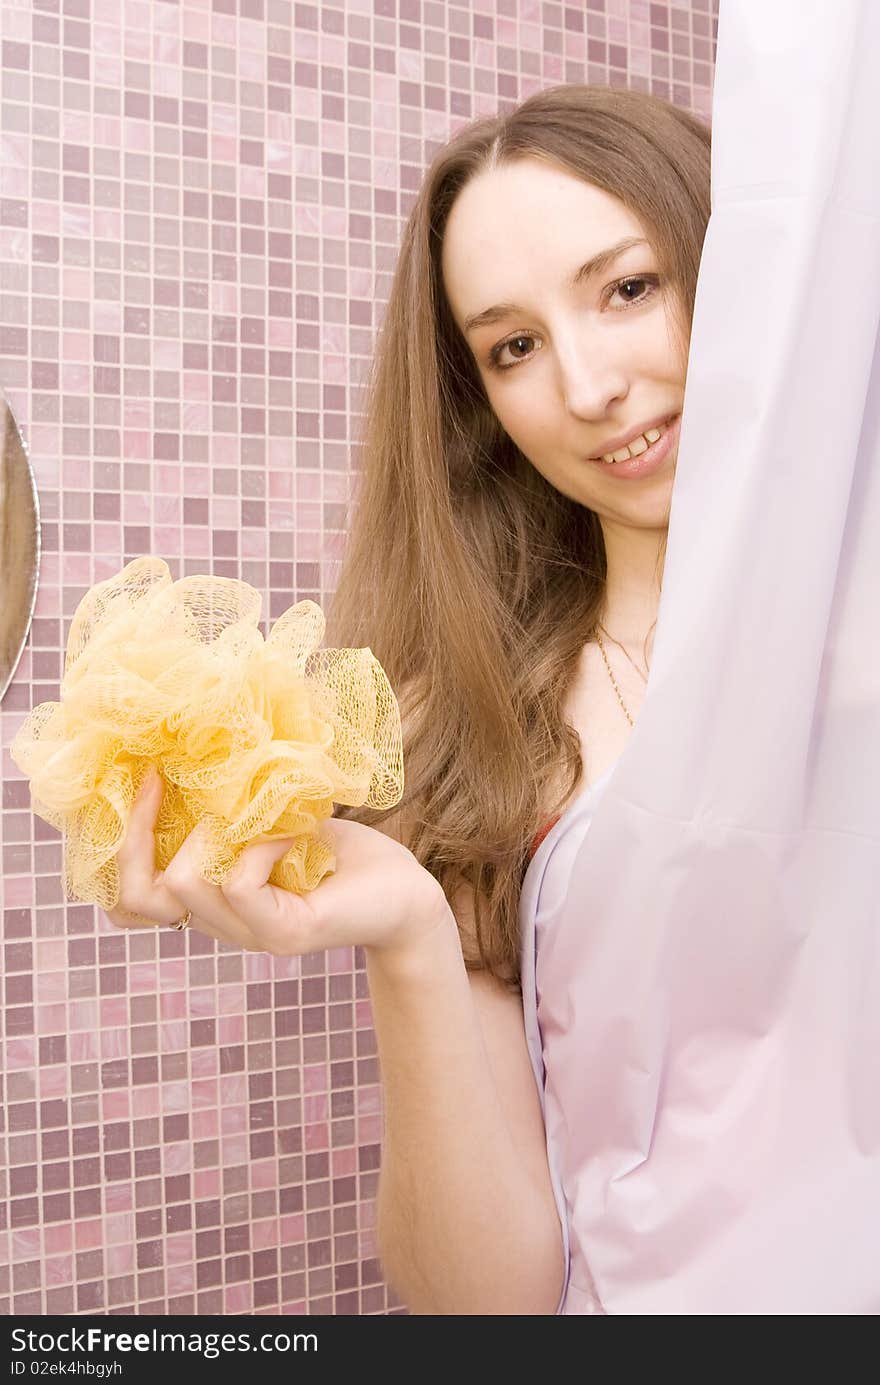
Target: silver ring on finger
(182, 923)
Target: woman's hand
(378, 897)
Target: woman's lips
(647, 462)
(617, 446)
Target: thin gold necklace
(642, 675)
(611, 675)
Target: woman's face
(568, 368)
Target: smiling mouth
(640, 444)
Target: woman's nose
(589, 382)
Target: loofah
(254, 738)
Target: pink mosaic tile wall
(200, 204)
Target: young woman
(504, 566)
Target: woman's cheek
(526, 425)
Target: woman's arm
(467, 1222)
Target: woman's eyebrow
(595, 265)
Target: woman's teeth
(633, 449)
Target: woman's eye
(628, 283)
(513, 344)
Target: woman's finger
(150, 897)
(282, 922)
(143, 890)
(213, 912)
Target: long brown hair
(474, 581)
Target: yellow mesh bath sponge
(255, 738)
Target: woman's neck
(634, 573)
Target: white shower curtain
(727, 894)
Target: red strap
(539, 836)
